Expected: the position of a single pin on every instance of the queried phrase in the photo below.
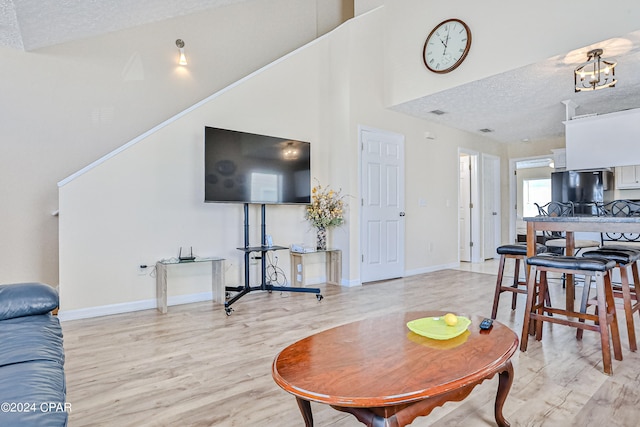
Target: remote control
(486, 324)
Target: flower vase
(322, 239)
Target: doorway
(491, 217)
(382, 214)
(469, 230)
(530, 183)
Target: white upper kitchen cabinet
(627, 177)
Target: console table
(333, 265)
(217, 282)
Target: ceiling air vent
(437, 112)
(486, 130)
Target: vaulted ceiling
(523, 104)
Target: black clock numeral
(431, 62)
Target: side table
(333, 266)
(217, 282)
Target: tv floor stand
(263, 249)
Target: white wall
(431, 166)
(145, 202)
(364, 6)
(64, 106)
(86, 98)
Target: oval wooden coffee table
(386, 375)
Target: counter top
(585, 219)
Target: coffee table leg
(504, 385)
(305, 409)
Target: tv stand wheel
(228, 310)
(319, 296)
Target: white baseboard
(107, 310)
(315, 281)
(431, 269)
(350, 283)
(127, 307)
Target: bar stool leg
(602, 300)
(583, 302)
(626, 302)
(636, 284)
(615, 331)
(531, 295)
(496, 297)
(636, 279)
(516, 281)
(542, 290)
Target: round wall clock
(447, 46)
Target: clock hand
(446, 43)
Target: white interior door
(382, 214)
(491, 203)
(464, 208)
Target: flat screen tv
(244, 167)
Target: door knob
(402, 214)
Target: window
(535, 191)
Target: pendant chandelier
(596, 73)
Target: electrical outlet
(142, 269)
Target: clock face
(447, 46)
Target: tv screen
(248, 168)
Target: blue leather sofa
(32, 381)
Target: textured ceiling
(525, 103)
(33, 24)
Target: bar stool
(624, 259)
(604, 322)
(517, 253)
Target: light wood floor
(194, 366)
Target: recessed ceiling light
(437, 112)
(486, 130)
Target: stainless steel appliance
(584, 188)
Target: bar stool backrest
(555, 209)
(620, 208)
